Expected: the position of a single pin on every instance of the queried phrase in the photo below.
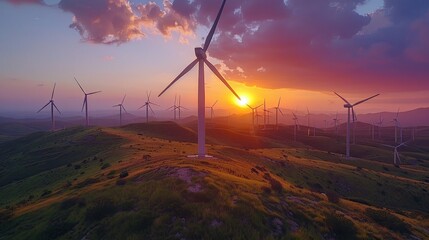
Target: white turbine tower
(308, 122)
(147, 105)
(266, 116)
(51, 101)
(201, 60)
(85, 101)
(212, 109)
(277, 113)
(350, 106)
(121, 106)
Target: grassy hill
(136, 182)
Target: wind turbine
(85, 101)
(201, 60)
(308, 122)
(295, 119)
(147, 105)
(254, 114)
(212, 110)
(51, 101)
(266, 116)
(396, 158)
(179, 107)
(336, 120)
(397, 125)
(380, 123)
(351, 106)
(121, 106)
(277, 113)
(173, 108)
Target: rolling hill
(136, 182)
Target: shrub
(121, 182)
(342, 227)
(275, 185)
(45, 193)
(123, 174)
(105, 165)
(87, 182)
(387, 220)
(68, 203)
(77, 166)
(99, 209)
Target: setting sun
(243, 102)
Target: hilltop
(136, 182)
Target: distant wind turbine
(278, 109)
(397, 126)
(148, 104)
(336, 121)
(296, 126)
(121, 106)
(254, 114)
(51, 101)
(396, 158)
(380, 123)
(212, 109)
(174, 108)
(180, 107)
(85, 101)
(201, 60)
(266, 115)
(308, 122)
(351, 106)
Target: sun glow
(243, 102)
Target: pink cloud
(19, 2)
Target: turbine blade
(56, 107)
(151, 109)
(212, 30)
(93, 93)
(122, 106)
(342, 98)
(280, 111)
(84, 102)
(118, 105)
(53, 91)
(142, 106)
(44, 106)
(216, 72)
(79, 85)
(353, 115)
(397, 113)
(278, 104)
(123, 99)
(214, 103)
(154, 104)
(366, 99)
(259, 106)
(186, 70)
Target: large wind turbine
(51, 101)
(201, 59)
(121, 106)
(212, 110)
(147, 105)
(350, 106)
(277, 113)
(85, 101)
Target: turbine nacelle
(347, 105)
(200, 53)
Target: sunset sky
(301, 50)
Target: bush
(387, 220)
(106, 165)
(121, 182)
(123, 174)
(68, 203)
(57, 229)
(342, 227)
(99, 209)
(275, 185)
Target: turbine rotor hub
(200, 53)
(347, 105)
